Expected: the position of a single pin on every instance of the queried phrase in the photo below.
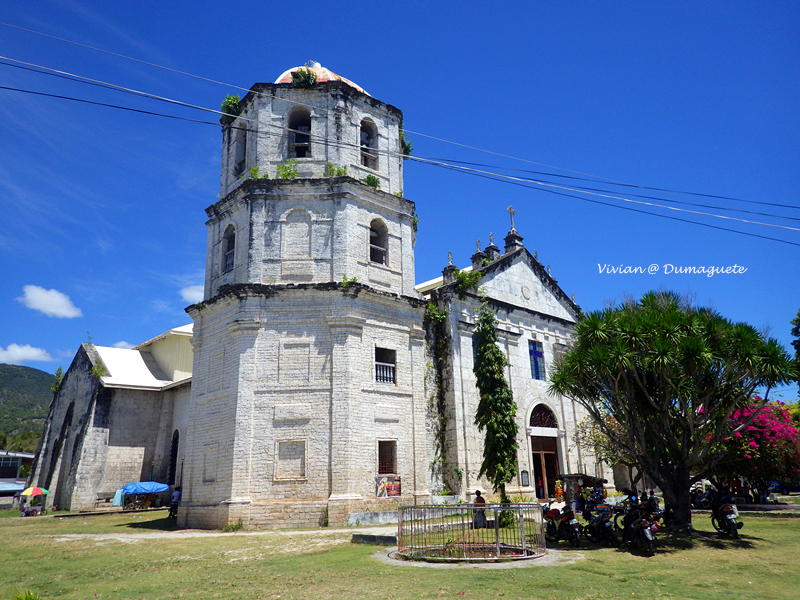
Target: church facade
(324, 382)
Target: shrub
(230, 106)
(288, 170)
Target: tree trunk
(678, 496)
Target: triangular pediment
(519, 279)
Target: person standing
(173, 505)
(479, 514)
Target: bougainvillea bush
(765, 449)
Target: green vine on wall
(405, 144)
(466, 281)
(433, 315)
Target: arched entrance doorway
(544, 450)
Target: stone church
(317, 381)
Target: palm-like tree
(670, 375)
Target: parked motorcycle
(599, 525)
(643, 532)
(638, 522)
(725, 515)
(561, 524)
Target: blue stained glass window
(536, 351)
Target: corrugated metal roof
(131, 369)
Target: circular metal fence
(471, 532)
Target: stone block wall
(295, 416)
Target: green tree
(796, 335)
(497, 411)
(671, 376)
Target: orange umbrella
(34, 491)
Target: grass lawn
(122, 556)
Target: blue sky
(103, 233)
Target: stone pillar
(419, 411)
(243, 333)
(346, 461)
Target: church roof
(185, 330)
(131, 369)
(137, 368)
(322, 73)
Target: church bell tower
(309, 363)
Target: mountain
(25, 397)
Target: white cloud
(193, 294)
(49, 302)
(125, 345)
(16, 354)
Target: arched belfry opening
(544, 450)
(378, 242)
(369, 144)
(240, 148)
(228, 248)
(299, 132)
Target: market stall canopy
(10, 488)
(144, 487)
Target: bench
(104, 498)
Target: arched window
(173, 458)
(378, 242)
(299, 130)
(239, 148)
(369, 144)
(228, 247)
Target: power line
(83, 101)
(650, 188)
(492, 175)
(593, 201)
(247, 90)
(626, 199)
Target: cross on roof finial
(512, 212)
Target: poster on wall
(388, 485)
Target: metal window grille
(228, 260)
(384, 373)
